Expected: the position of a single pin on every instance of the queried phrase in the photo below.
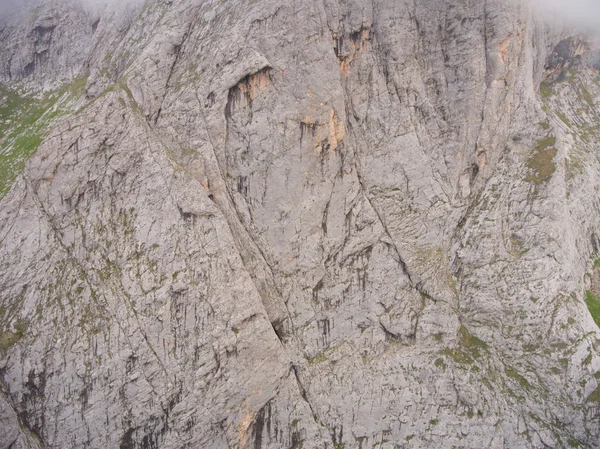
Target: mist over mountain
(581, 13)
(8, 5)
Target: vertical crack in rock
(177, 48)
(303, 392)
(387, 232)
(251, 253)
(358, 40)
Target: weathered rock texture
(300, 224)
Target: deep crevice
(302, 390)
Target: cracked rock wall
(329, 224)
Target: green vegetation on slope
(541, 163)
(8, 338)
(471, 342)
(595, 396)
(546, 90)
(593, 305)
(24, 121)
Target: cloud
(584, 14)
(9, 5)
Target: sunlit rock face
(271, 224)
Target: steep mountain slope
(334, 224)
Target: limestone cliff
(298, 224)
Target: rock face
(332, 224)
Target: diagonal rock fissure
(303, 392)
(386, 230)
(177, 48)
(252, 255)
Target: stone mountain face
(298, 224)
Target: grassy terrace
(541, 163)
(593, 305)
(24, 122)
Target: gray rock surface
(332, 224)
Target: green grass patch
(9, 339)
(460, 357)
(586, 96)
(593, 305)
(473, 344)
(319, 358)
(517, 245)
(541, 163)
(21, 131)
(440, 364)
(513, 374)
(594, 397)
(546, 90)
(25, 121)
(189, 152)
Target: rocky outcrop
(319, 224)
(45, 41)
(12, 434)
